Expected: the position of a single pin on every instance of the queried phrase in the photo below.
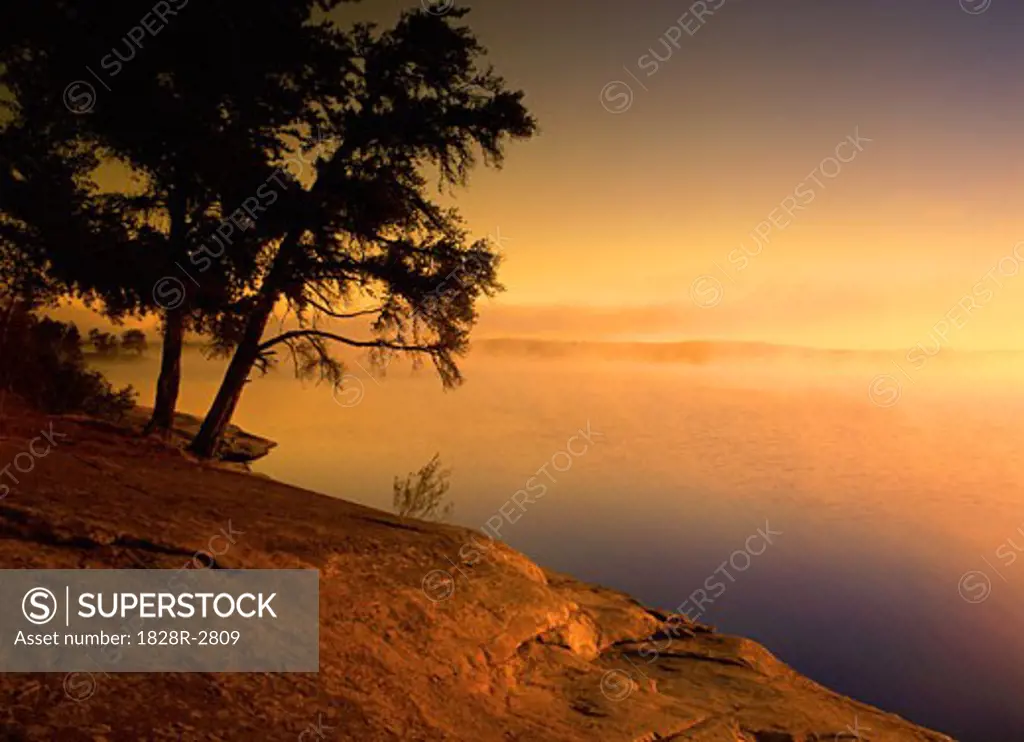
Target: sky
(635, 212)
(815, 172)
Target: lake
(893, 523)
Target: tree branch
(323, 306)
(293, 334)
(340, 315)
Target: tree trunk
(169, 383)
(6, 381)
(219, 416)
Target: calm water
(882, 511)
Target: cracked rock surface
(410, 647)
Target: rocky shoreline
(504, 651)
(237, 447)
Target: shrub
(420, 495)
(41, 361)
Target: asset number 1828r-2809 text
(176, 638)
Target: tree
(201, 121)
(134, 341)
(51, 224)
(364, 246)
(105, 343)
(64, 230)
(43, 205)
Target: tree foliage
(134, 341)
(362, 132)
(41, 360)
(106, 344)
(369, 259)
(198, 116)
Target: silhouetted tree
(201, 118)
(134, 341)
(51, 223)
(363, 240)
(106, 344)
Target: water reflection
(881, 510)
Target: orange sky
(606, 211)
(627, 224)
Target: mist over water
(895, 576)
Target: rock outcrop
(237, 446)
